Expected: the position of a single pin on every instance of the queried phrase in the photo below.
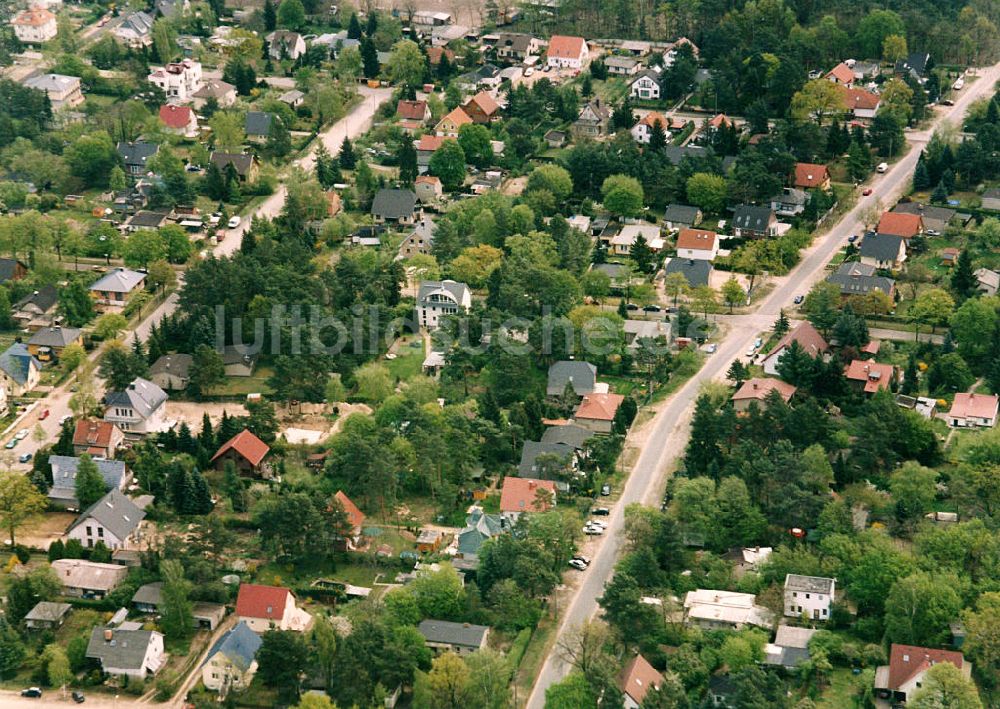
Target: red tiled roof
(696, 239)
(855, 99)
(875, 375)
(599, 407)
(429, 179)
(458, 116)
(430, 143)
(356, 516)
(807, 336)
(900, 224)
(247, 445)
(35, 17)
(653, 117)
(411, 110)
(485, 102)
(95, 434)
(842, 73)
(719, 120)
(810, 175)
(175, 116)
(434, 55)
(256, 601)
(974, 405)
(519, 494)
(760, 389)
(563, 47)
(637, 677)
(906, 661)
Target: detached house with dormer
(437, 299)
(265, 608)
(114, 520)
(138, 409)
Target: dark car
(600, 511)
(852, 238)
(631, 306)
(78, 697)
(652, 309)
(799, 299)
(33, 692)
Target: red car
(44, 415)
(867, 191)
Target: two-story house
(48, 343)
(265, 608)
(137, 654)
(62, 494)
(754, 222)
(482, 108)
(811, 596)
(20, 372)
(100, 439)
(593, 120)
(908, 664)
(285, 44)
(138, 409)
(699, 244)
(437, 299)
(34, 26)
(247, 452)
(63, 91)
(112, 291)
(136, 156)
(647, 85)
(231, 662)
(567, 52)
(884, 251)
(449, 126)
(114, 520)
(179, 80)
(246, 165)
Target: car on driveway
(78, 697)
(234, 222)
(601, 511)
(11, 443)
(22, 434)
(605, 489)
(592, 529)
(25, 457)
(852, 238)
(44, 415)
(33, 692)
(578, 563)
(798, 299)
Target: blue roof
(240, 645)
(16, 362)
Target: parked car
(591, 529)
(11, 443)
(882, 167)
(64, 419)
(578, 564)
(215, 218)
(852, 238)
(22, 434)
(866, 191)
(78, 697)
(757, 343)
(598, 523)
(711, 348)
(799, 299)
(44, 415)
(33, 692)
(933, 232)
(529, 71)
(602, 511)
(652, 309)
(631, 306)
(605, 489)
(947, 102)
(234, 221)
(25, 457)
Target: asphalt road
(670, 433)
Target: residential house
(903, 676)
(753, 221)
(842, 75)
(635, 330)
(647, 85)
(863, 105)
(459, 638)
(265, 608)
(486, 76)
(418, 241)
(20, 372)
(35, 25)
(915, 65)
(179, 120)
(146, 221)
(428, 189)
(172, 372)
(238, 361)
(991, 199)
(430, 18)
(63, 91)
(856, 278)
(759, 390)
(989, 281)
(136, 156)
(293, 98)
(449, 126)
(247, 165)
(171, 8)
(555, 138)
(47, 615)
(34, 310)
(971, 410)
(426, 147)
(101, 439)
(138, 409)
(247, 452)
(395, 205)
(437, 299)
(549, 461)
(790, 647)
(884, 251)
(681, 216)
(866, 70)
(593, 120)
(697, 244)
(623, 66)
(519, 495)
(137, 654)
(697, 272)
(567, 52)
(257, 126)
(900, 224)
(487, 181)
(482, 108)
(179, 80)
(624, 240)
(643, 130)
(597, 411)
(135, 31)
(569, 434)
(434, 55)
(724, 610)
(635, 681)
(285, 44)
(790, 203)
(809, 176)
(88, 579)
(869, 376)
(581, 375)
(412, 114)
(112, 291)
(231, 662)
(516, 47)
(356, 518)
(933, 217)
(479, 527)
(808, 338)
(148, 598)
(811, 596)
(48, 343)
(62, 493)
(114, 520)
(223, 92)
(429, 541)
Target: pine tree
(738, 373)
(99, 553)
(185, 440)
(993, 111)
(354, 27)
(858, 161)
(56, 550)
(657, 137)
(408, 169)
(948, 178)
(233, 486)
(911, 377)
(921, 178)
(622, 308)
(444, 67)
(781, 325)
(369, 58)
(215, 182)
(703, 451)
(248, 242)
(940, 193)
(270, 16)
(372, 24)
(207, 436)
(963, 279)
(347, 158)
(642, 255)
(201, 496)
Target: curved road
(670, 426)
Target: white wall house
(130, 653)
(114, 520)
(231, 663)
(567, 52)
(970, 410)
(178, 80)
(437, 299)
(139, 409)
(264, 608)
(35, 26)
(809, 595)
(646, 85)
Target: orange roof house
(719, 120)
(482, 108)
(907, 666)
(597, 411)
(811, 176)
(521, 495)
(412, 110)
(98, 438)
(759, 389)
(566, 51)
(900, 224)
(430, 143)
(449, 126)
(808, 338)
(697, 244)
(264, 608)
(863, 104)
(180, 119)
(246, 451)
(972, 410)
(841, 74)
(636, 679)
(356, 518)
(870, 376)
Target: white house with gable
(809, 595)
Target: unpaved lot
(44, 530)
(191, 413)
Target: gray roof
(120, 280)
(809, 584)
(52, 83)
(753, 217)
(790, 195)
(89, 575)
(150, 594)
(16, 362)
(55, 336)
(177, 364)
(569, 434)
(612, 270)
(233, 354)
(215, 88)
(915, 63)
(681, 213)
(258, 123)
(115, 512)
(394, 204)
(649, 74)
(8, 268)
(462, 634)
(137, 153)
(623, 62)
(583, 375)
(147, 219)
(696, 271)
(138, 22)
(48, 611)
(458, 291)
(64, 469)
(126, 650)
(927, 211)
(43, 299)
(676, 153)
(881, 247)
(291, 96)
(141, 395)
(533, 449)
(241, 161)
(856, 278)
(239, 645)
(478, 528)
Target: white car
(598, 523)
(64, 419)
(578, 564)
(529, 72)
(593, 529)
(234, 222)
(22, 434)
(757, 343)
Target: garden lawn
(409, 359)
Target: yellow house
(48, 343)
(232, 663)
(449, 126)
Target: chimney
(108, 634)
(531, 484)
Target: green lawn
(841, 692)
(241, 386)
(409, 358)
